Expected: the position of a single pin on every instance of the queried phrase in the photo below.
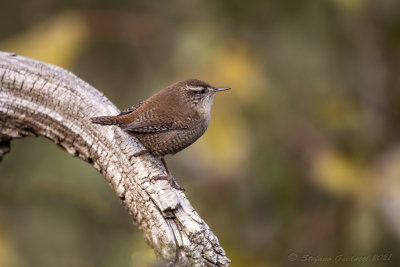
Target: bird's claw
(170, 179)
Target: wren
(169, 121)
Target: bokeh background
(301, 162)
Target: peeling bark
(39, 99)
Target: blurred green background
(300, 164)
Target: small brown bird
(168, 121)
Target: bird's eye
(203, 91)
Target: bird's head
(198, 94)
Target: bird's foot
(140, 153)
(170, 179)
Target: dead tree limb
(39, 99)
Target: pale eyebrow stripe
(195, 88)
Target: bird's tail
(107, 120)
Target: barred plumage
(170, 120)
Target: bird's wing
(116, 120)
(130, 109)
(153, 121)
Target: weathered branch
(39, 99)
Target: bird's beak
(217, 89)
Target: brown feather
(170, 120)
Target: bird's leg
(140, 153)
(168, 177)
